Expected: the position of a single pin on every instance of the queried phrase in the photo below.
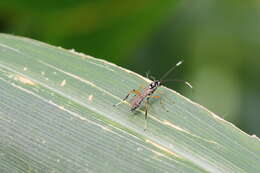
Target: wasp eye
(154, 84)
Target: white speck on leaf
(90, 97)
(139, 149)
(61, 107)
(63, 83)
(24, 80)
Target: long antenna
(170, 70)
(177, 80)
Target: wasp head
(154, 84)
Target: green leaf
(57, 115)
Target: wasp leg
(155, 97)
(133, 91)
(161, 102)
(163, 105)
(141, 87)
(149, 76)
(146, 112)
(146, 109)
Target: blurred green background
(218, 40)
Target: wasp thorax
(154, 84)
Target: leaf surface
(57, 115)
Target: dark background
(218, 40)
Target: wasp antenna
(170, 70)
(179, 63)
(147, 74)
(188, 84)
(177, 80)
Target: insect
(147, 92)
